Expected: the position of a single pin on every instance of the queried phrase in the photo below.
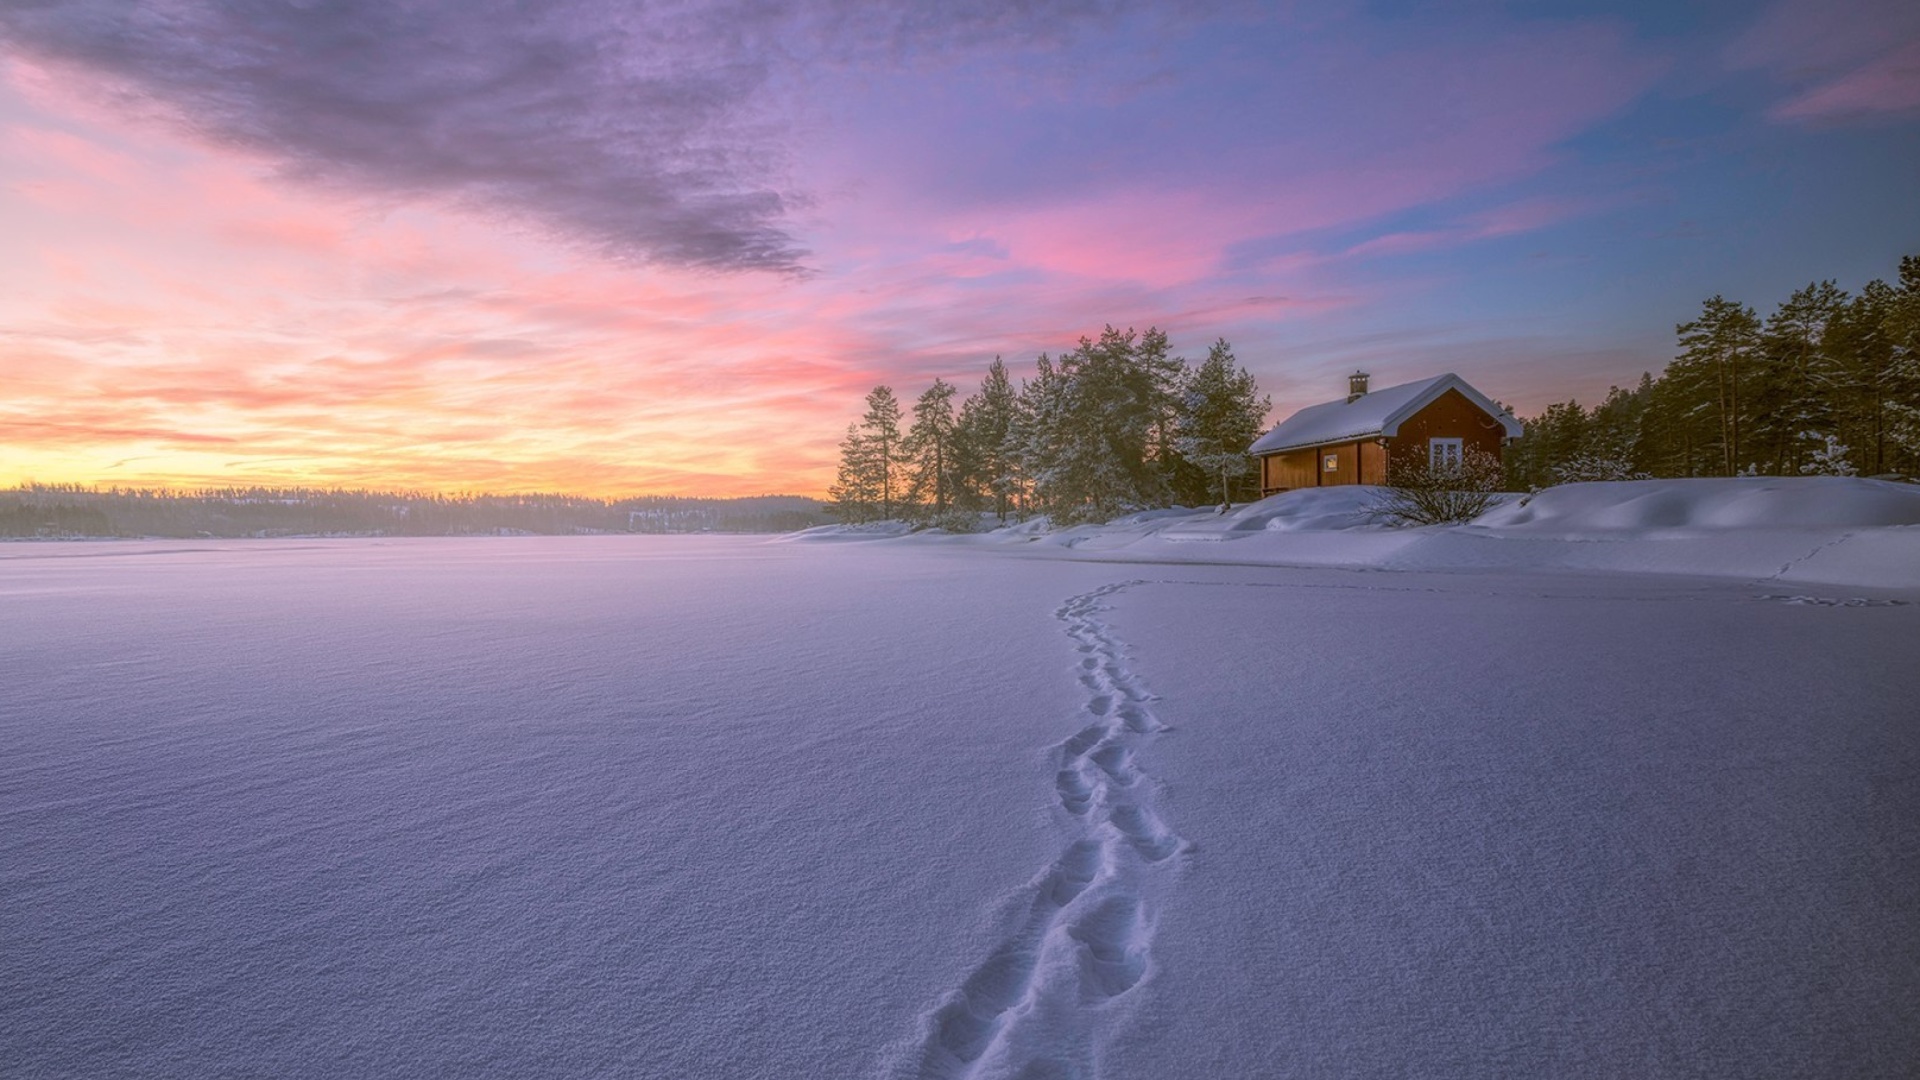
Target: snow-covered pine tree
(879, 459)
(989, 463)
(1220, 414)
(929, 453)
(1583, 468)
(1041, 434)
(854, 497)
(1900, 389)
(1828, 456)
(1716, 350)
(1860, 355)
(1795, 376)
(1101, 426)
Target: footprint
(1139, 720)
(1117, 762)
(1083, 740)
(966, 1025)
(1154, 841)
(1076, 792)
(1114, 938)
(1073, 873)
(1100, 704)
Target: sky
(616, 248)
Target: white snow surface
(1033, 806)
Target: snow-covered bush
(1829, 459)
(1584, 468)
(1419, 493)
(953, 521)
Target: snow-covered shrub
(953, 521)
(1829, 459)
(1419, 493)
(1583, 468)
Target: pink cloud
(1844, 59)
(1886, 84)
(1523, 216)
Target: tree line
(53, 511)
(1828, 383)
(1117, 423)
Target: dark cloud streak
(648, 132)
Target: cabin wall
(1449, 416)
(1339, 464)
(1284, 472)
(1373, 462)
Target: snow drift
(1777, 502)
(1815, 529)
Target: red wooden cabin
(1352, 441)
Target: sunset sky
(612, 248)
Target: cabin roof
(1378, 414)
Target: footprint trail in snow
(1034, 1008)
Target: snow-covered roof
(1373, 415)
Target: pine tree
(854, 496)
(1220, 415)
(1072, 479)
(1715, 350)
(1828, 456)
(1901, 384)
(985, 443)
(1108, 430)
(870, 481)
(1795, 376)
(880, 427)
(1860, 353)
(929, 451)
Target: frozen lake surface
(714, 807)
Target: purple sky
(465, 244)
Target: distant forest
(1829, 383)
(54, 511)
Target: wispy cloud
(1523, 216)
(1842, 59)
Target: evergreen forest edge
(1827, 384)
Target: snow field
(1481, 825)
(663, 807)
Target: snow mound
(1769, 502)
(872, 530)
(1330, 509)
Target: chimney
(1356, 386)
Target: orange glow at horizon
(176, 318)
(179, 317)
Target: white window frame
(1445, 453)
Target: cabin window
(1330, 463)
(1443, 453)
